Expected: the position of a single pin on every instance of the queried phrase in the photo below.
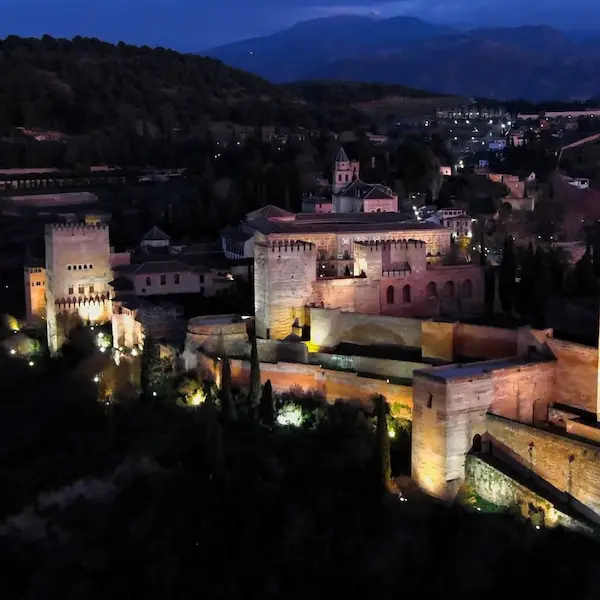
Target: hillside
(82, 85)
(532, 62)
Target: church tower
(344, 172)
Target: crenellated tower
(284, 273)
(77, 276)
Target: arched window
(449, 289)
(432, 290)
(406, 294)
(467, 289)
(390, 294)
(477, 446)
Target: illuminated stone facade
(380, 276)
(78, 272)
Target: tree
(254, 387)
(542, 287)
(152, 372)
(382, 436)
(526, 285)
(584, 278)
(506, 275)
(266, 409)
(226, 394)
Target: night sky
(194, 25)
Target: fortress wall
(477, 341)
(576, 374)
(375, 366)
(348, 293)
(500, 489)
(524, 393)
(332, 385)
(331, 327)
(568, 464)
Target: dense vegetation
(128, 105)
(161, 499)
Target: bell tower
(344, 172)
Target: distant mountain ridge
(532, 62)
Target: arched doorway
(406, 294)
(467, 289)
(449, 289)
(476, 448)
(432, 290)
(390, 294)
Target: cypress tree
(151, 368)
(254, 388)
(382, 436)
(526, 285)
(266, 409)
(506, 275)
(542, 287)
(226, 394)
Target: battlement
(75, 228)
(305, 247)
(397, 272)
(376, 245)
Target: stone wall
(332, 385)
(576, 374)
(397, 369)
(500, 489)
(568, 464)
(328, 328)
(524, 392)
(486, 343)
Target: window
(390, 294)
(91, 266)
(176, 278)
(69, 267)
(148, 281)
(92, 288)
(70, 290)
(430, 401)
(81, 290)
(163, 280)
(406, 294)
(79, 267)
(85, 267)
(201, 278)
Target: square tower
(77, 273)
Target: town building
(350, 194)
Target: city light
(154, 394)
(392, 433)
(31, 363)
(96, 378)
(13, 351)
(290, 415)
(134, 352)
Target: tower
(77, 276)
(284, 273)
(344, 172)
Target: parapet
(75, 228)
(297, 246)
(376, 245)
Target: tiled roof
(378, 192)
(341, 156)
(165, 266)
(354, 227)
(269, 212)
(155, 234)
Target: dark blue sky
(192, 25)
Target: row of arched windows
(448, 291)
(405, 294)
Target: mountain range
(531, 62)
